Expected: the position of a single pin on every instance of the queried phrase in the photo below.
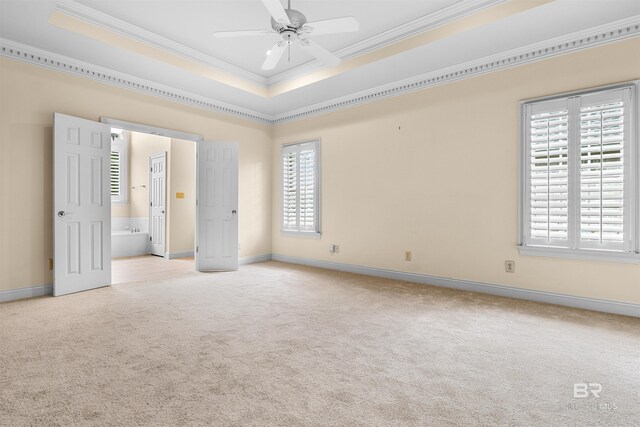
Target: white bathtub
(126, 243)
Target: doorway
(192, 167)
(153, 198)
(83, 220)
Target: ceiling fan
(293, 27)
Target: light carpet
(283, 345)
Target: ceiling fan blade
(348, 24)
(274, 56)
(319, 52)
(241, 33)
(277, 11)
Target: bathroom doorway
(153, 189)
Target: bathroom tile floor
(149, 267)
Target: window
(580, 183)
(118, 178)
(300, 187)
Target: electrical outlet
(407, 255)
(50, 263)
(510, 266)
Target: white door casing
(158, 203)
(217, 206)
(82, 204)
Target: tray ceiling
(168, 43)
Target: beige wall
(407, 173)
(29, 95)
(182, 212)
(436, 172)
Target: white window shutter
(602, 171)
(300, 198)
(307, 188)
(548, 167)
(116, 156)
(581, 174)
(290, 190)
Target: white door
(82, 204)
(158, 203)
(217, 206)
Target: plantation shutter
(307, 187)
(300, 187)
(116, 157)
(548, 137)
(290, 190)
(580, 171)
(602, 170)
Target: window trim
(317, 233)
(123, 147)
(632, 256)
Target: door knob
(234, 212)
(61, 214)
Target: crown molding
(596, 36)
(409, 29)
(608, 33)
(50, 60)
(95, 17)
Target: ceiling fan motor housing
(297, 21)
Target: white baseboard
(22, 293)
(176, 255)
(254, 259)
(607, 306)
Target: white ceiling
(184, 27)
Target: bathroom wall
(182, 210)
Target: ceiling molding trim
(419, 25)
(612, 32)
(95, 17)
(608, 33)
(50, 60)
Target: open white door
(217, 206)
(82, 204)
(158, 202)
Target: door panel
(157, 202)
(82, 205)
(217, 210)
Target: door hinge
(150, 203)
(196, 249)
(150, 238)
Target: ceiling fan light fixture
(292, 27)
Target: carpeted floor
(277, 344)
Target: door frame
(154, 130)
(166, 201)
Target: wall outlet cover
(510, 266)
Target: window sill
(308, 234)
(581, 254)
(119, 202)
